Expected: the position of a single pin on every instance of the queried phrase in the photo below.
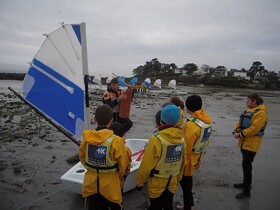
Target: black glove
(139, 188)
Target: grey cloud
(124, 34)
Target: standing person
(249, 131)
(118, 130)
(112, 97)
(180, 104)
(103, 154)
(197, 131)
(163, 161)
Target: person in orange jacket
(249, 130)
(113, 97)
(163, 161)
(197, 131)
(103, 155)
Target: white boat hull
(75, 175)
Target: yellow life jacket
(204, 136)
(171, 159)
(97, 157)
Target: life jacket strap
(98, 168)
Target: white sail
(108, 80)
(172, 84)
(96, 78)
(54, 83)
(157, 83)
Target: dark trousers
(164, 201)
(248, 158)
(126, 122)
(98, 202)
(186, 185)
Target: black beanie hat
(115, 80)
(194, 103)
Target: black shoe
(243, 195)
(240, 185)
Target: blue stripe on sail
(48, 69)
(58, 103)
(76, 29)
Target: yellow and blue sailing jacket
(171, 159)
(205, 132)
(97, 157)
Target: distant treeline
(11, 76)
(181, 80)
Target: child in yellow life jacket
(197, 131)
(163, 161)
(119, 131)
(104, 156)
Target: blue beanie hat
(170, 114)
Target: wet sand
(34, 155)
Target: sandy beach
(34, 155)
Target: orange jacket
(191, 135)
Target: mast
(86, 76)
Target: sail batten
(70, 89)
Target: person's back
(192, 132)
(163, 160)
(104, 156)
(197, 131)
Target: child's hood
(96, 137)
(202, 115)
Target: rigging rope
(43, 197)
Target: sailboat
(157, 83)
(56, 87)
(172, 84)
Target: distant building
(220, 71)
(258, 72)
(241, 74)
(206, 69)
(180, 71)
(261, 75)
(199, 72)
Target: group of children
(172, 153)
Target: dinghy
(172, 84)
(76, 174)
(147, 83)
(157, 83)
(56, 87)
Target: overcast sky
(123, 34)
